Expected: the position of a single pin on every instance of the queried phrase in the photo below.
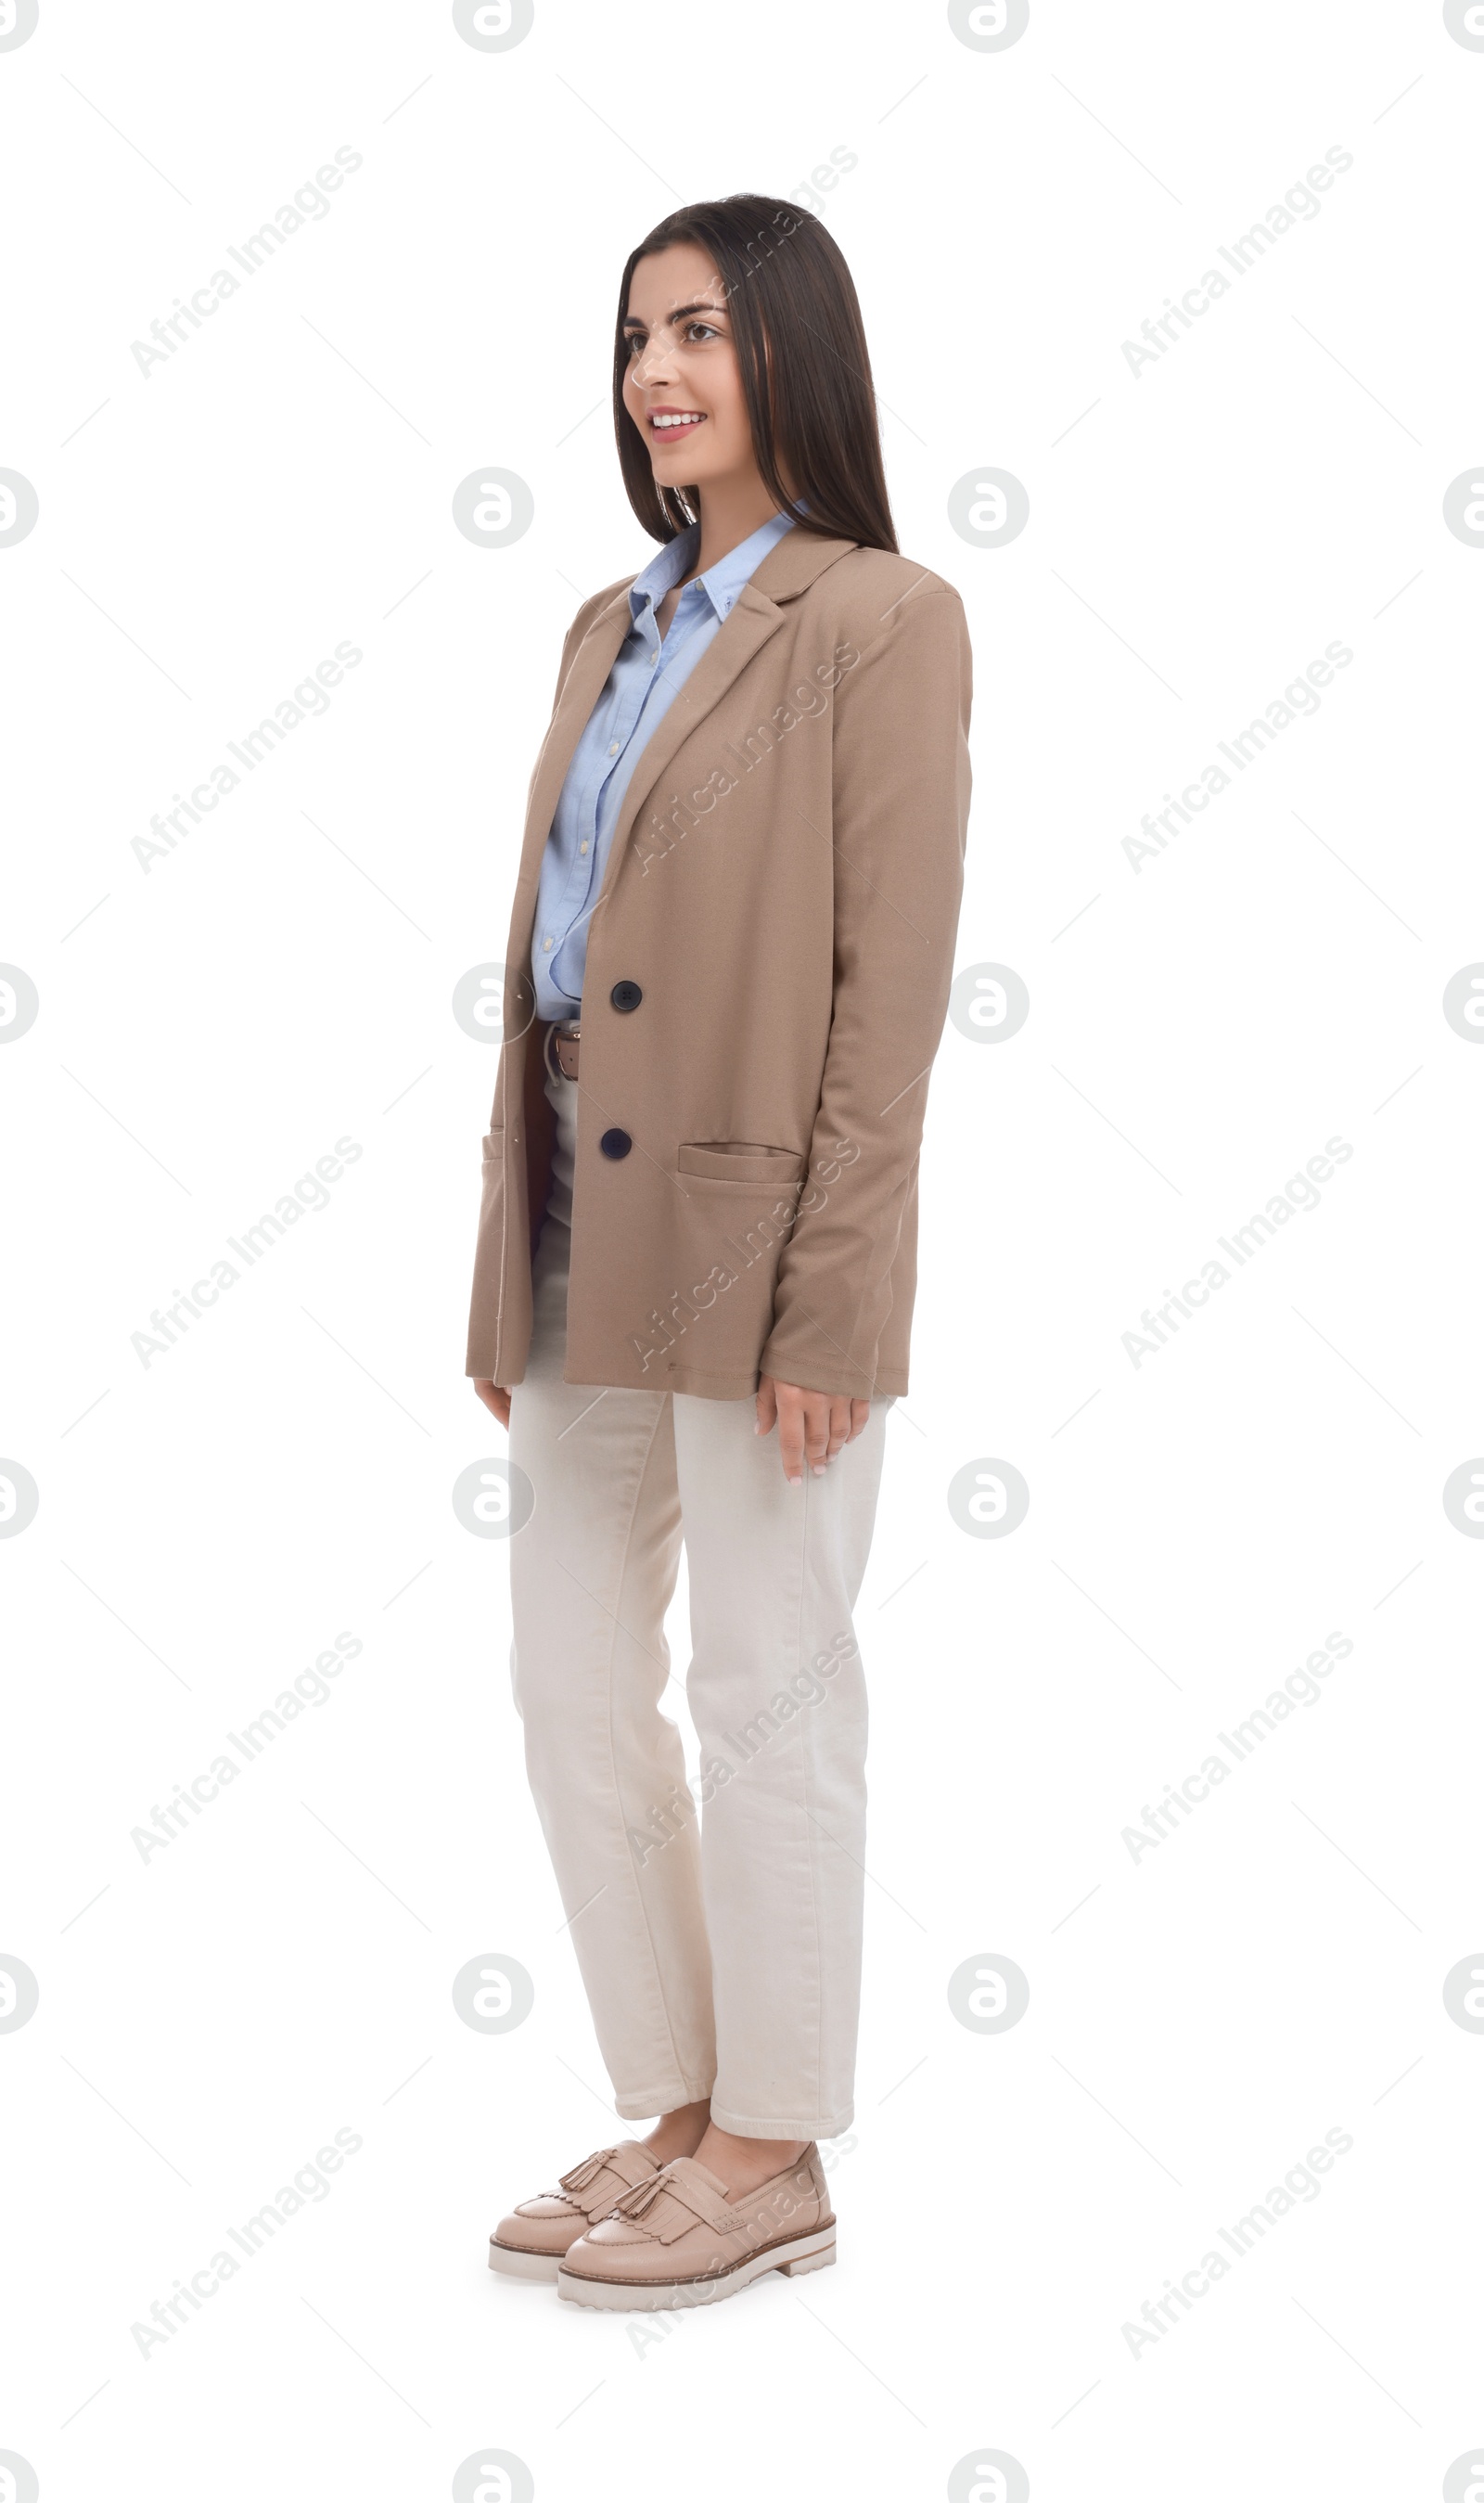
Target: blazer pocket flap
(754, 1167)
(493, 1147)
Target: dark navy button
(615, 1142)
(625, 996)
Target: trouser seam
(656, 1962)
(810, 1828)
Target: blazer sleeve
(901, 781)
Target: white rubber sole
(542, 2265)
(611, 2294)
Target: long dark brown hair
(811, 407)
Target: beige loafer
(531, 2239)
(677, 2239)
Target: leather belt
(565, 1039)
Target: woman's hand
(812, 1425)
(496, 1401)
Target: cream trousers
(718, 1941)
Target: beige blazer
(769, 966)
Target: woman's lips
(673, 434)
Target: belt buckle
(566, 1042)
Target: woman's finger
(791, 1433)
(818, 1406)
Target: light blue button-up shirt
(642, 685)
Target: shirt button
(614, 749)
(582, 847)
(653, 656)
(625, 996)
(545, 945)
(615, 1142)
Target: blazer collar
(786, 572)
(798, 558)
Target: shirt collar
(724, 581)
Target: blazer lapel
(786, 571)
(586, 680)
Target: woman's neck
(730, 511)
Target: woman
(729, 967)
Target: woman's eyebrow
(635, 322)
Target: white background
(1198, 1028)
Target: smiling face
(683, 388)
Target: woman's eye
(634, 340)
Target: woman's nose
(654, 365)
